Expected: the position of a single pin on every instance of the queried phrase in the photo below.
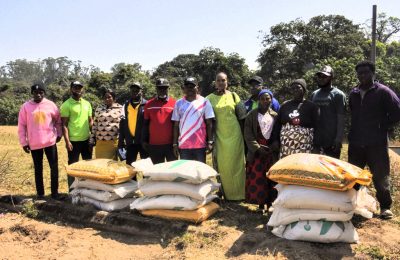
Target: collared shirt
(159, 113)
(373, 115)
(106, 123)
(78, 113)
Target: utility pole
(373, 46)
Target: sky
(151, 32)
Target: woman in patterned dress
(106, 127)
(258, 129)
(297, 121)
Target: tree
(386, 27)
(291, 49)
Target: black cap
(76, 84)
(256, 79)
(135, 84)
(301, 82)
(38, 86)
(161, 82)
(190, 80)
(326, 70)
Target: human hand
(175, 150)
(26, 149)
(69, 146)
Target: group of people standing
(245, 138)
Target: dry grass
(20, 177)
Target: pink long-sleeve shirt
(39, 124)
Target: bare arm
(66, 133)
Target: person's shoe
(386, 214)
(39, 197)
(57, 196)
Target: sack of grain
(318, 231)
(106, 206)
(318, 171)
(282, 216)
(174, 202)
(301, 197)
(122, 190)
(99, 195)
(103, 170)
(195, 191)
(195, 216)
(186, 171)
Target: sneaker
(386, 214)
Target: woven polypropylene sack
(318, 231)
(318, 171)
(187, 171)
(193, 216)
(195, 191)
(103, 170)
(301, 197)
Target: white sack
(282, 216)
(195, 191)
(106, 206)
(301, 197)
(318, 231)
(100, 195)
(122, 189)
(186, 171)
(366, 204)
(174, 202)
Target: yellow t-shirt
(132, 118)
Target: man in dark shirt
(375, 109)
(332, 103)
(256, 85)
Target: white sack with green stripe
(186, 171)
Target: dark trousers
(330, 152)
(79, 148)
(160, 153)
(193, 154)
(132, 152)
(377, 159)
(52, 157)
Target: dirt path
(233, 233)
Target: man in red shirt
(158, 127)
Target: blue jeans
(193, 154)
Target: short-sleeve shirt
(159, 113)
(78, 113)
(331, 102)
(192, 126)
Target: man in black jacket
(375, 109)
(131, 124)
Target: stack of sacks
(104, 183)
(316, 199)
(181, 190)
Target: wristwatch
(174, 144)
(210, 142)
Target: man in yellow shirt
(131, 124)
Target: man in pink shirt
(192, 117)
(39, 129)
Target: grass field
(236, 231)
(17, 177)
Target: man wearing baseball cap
(76, 115)
(256, 85)
(332, 103)
(158, 127)
(39, 129)
(131, 124)
(192, 116)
